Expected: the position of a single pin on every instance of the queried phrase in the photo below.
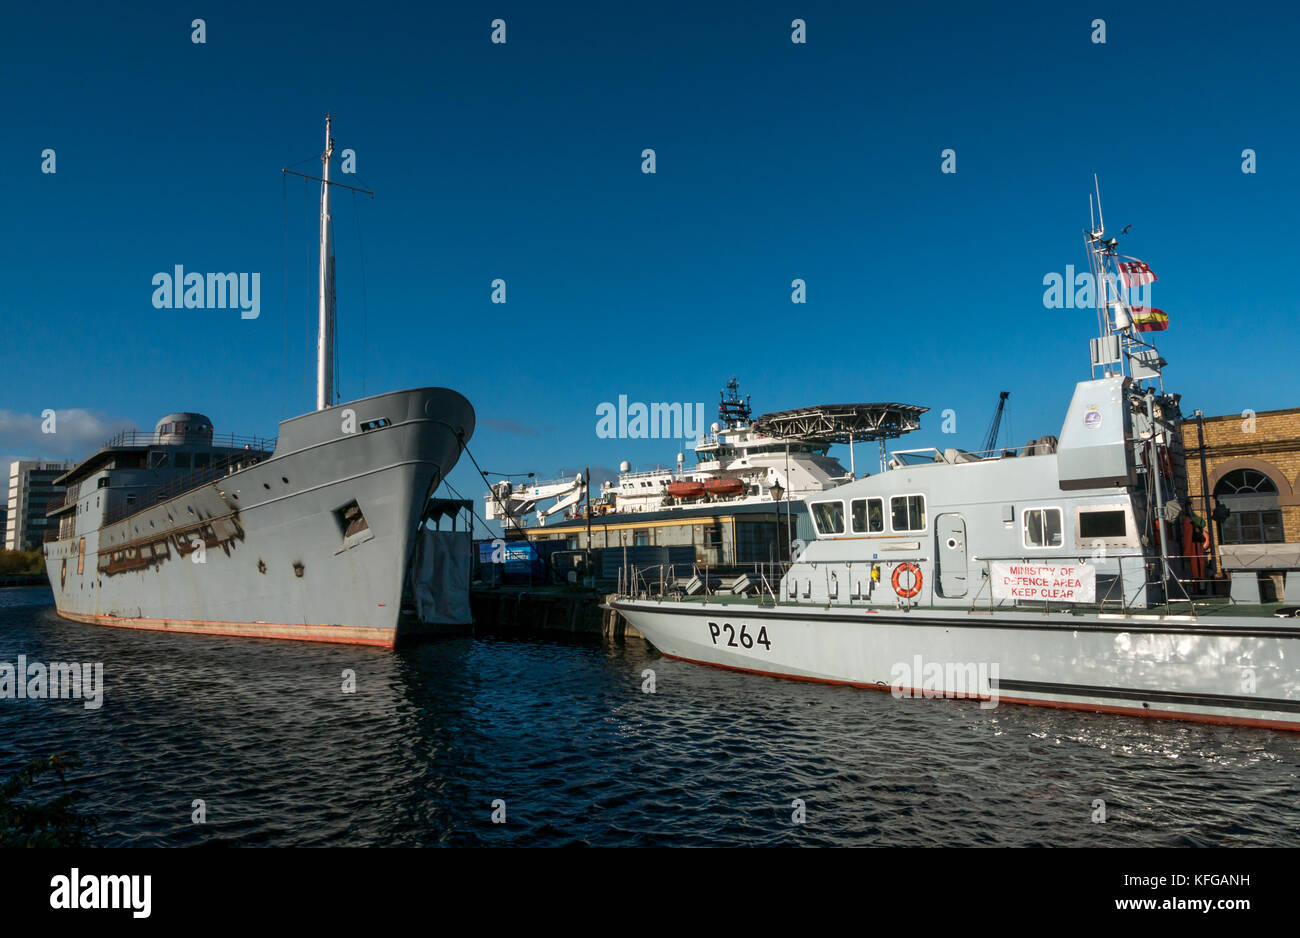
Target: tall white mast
(325, 338)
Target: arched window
(1256, 515)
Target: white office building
(31, 488)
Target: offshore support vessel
(741, 461)
(308, 536)
(1057, 575)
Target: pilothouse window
(908, 512)
(828, 517)
(1043, 527)
(868, 515)
(1102, 525)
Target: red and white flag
(1135, 273)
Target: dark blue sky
(523, 161)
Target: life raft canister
(916, 580)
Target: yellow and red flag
(1150, 319)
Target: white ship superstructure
(740, 461)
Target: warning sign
(1041, 582)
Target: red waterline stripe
(1027, 701)
(292, 631)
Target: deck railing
(135, 438)
(1176, 594)
(665, 580)
(1170, 591)
(222, 466)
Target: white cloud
(77, 433)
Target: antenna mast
(325, 336)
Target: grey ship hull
(266, 551)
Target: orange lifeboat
(685, 489)
(724, 486)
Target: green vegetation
(21, 562)
(30, 818)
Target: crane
(991, 440)
(509, 503)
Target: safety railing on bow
(670, 581)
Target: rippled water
(564, 734)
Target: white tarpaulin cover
(1044, 582)
(441, 580)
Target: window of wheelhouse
(828, 517)
(1256, 515)
(1042, 527)
(1103, 526)
(907, 512)
(868, 515)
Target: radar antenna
(732, 411)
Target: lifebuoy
(917, 579)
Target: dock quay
(547, 609)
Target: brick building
(1252, 464)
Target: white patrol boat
(1064, 574)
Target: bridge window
(1105, 525)
(868, 515)
(828, 517)
(1042, 527)
(908, 512)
